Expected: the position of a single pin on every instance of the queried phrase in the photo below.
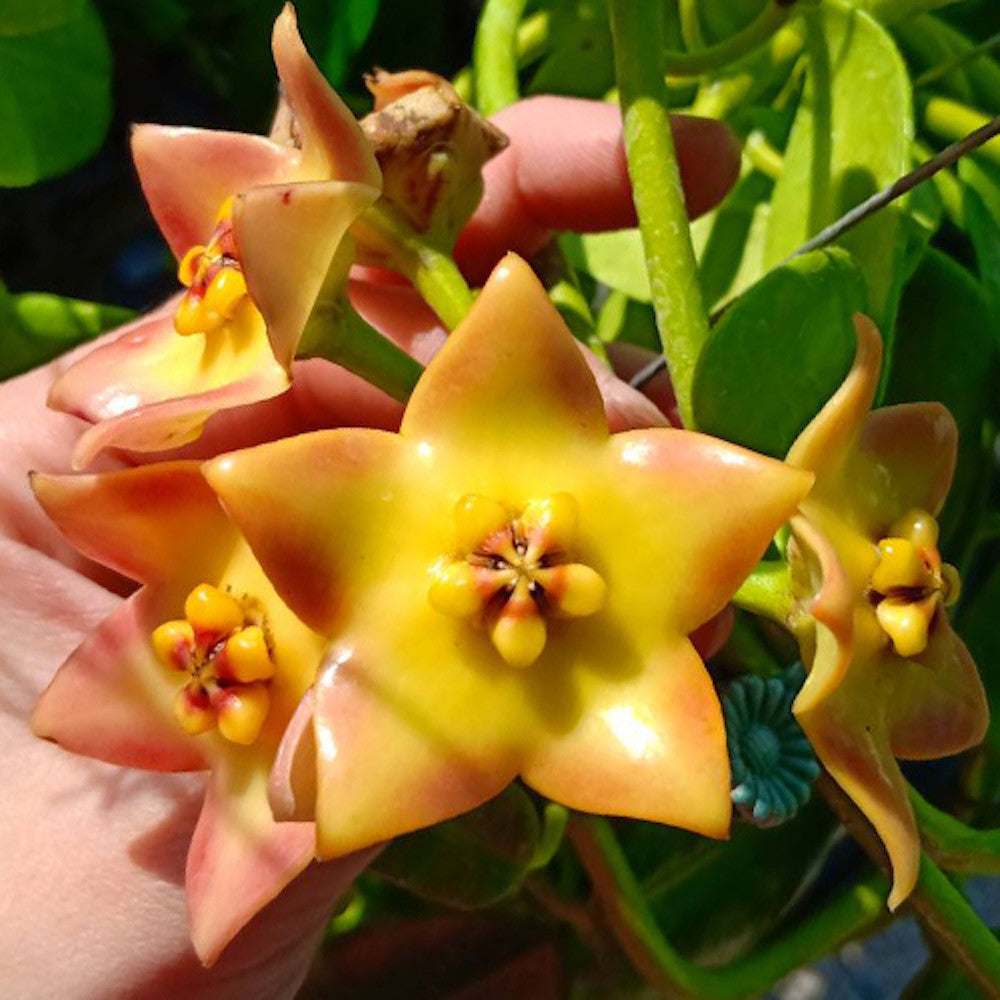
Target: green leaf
(351, 22)
(36, 327)
(851, 136)
(580, 61)
(977, 624)
(615, 259)
(471, 861)
(945, 351)
(779, 352)
(55, 87)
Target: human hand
(92, 857)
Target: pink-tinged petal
(941, 708)
(662, 503)
(172, 423)
(111, 699)
(146, 522)
(386, 767)
(906, 459)
(287, 236)
(511, 368)
(651, 747)
(832, 607)
(849, 734)
(825, 443)
(291, 788)
(187, 173)
(310, 555)
(332, 143)
(240, 858)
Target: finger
(565, 168)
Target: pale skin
(92, 856)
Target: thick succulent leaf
(287, 235)
(144, 522)
(187, 173)
(794, 328)
(332, 144)
(471, 861)
(529, 379)
(111, 699)
(649, 746)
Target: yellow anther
(242, 711)
(190, 316)
(951, 584)
(907, 623)
(919, 527)
(899, 566)
(557, 515)
(247, 657)
(173, 643)
(213, 611)
(454, 591)
(476, 519)
(225, 211)
(194, 711)
(575, 590)
(225, 292)
(188, 267)
(519, 635)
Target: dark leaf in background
(779, 352)
(55, 87)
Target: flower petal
(849, 734)
(510, 370)
(906, 459)
(144, 522)
(650, 747)
(187, 173)
(111, 699)
(941, 709)
(388, 765)
(287, 236)
(309, 556)
(825, 443)
(240, 858)
(291, 788)
(665, 503)
(332, 143)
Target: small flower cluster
(362, 633)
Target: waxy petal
(825, 443)
(187, 173)
(354, 472)
(287, 236)
(621, 758)
(111, 699)
(509, 369)
(388, 765)
(144, 523)
(240, 858)
(941, 709)
(291, 787)
(332, 143)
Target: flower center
(216, 289)
(514, 571)
(910, 583)
(222, 647)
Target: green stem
(953, 845)
(767, 592)
(637, 31)
(434, 274)
(494, 55)
(953, 120)
(625, 908)
(753, 36)
(340, 335)
(957, 61)
(691, 25)
(763, 155)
